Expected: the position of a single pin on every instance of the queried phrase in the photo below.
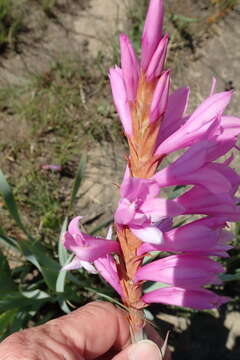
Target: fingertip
(145, 349)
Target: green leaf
(9, 242)
(7, 194)
(79, 178)
(35, 294)
(177, 191)
(184, 19)
(230, 277)
(6, 320)
(15, 300)
(62, 252)
(38, 256)
(150, 286)
(6, 282)
(60, 285)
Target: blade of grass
(62, 252)
(10, 202)
(78, 179)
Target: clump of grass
(48, 7)
(10, 22)
(64, 111)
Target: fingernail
(144, 350)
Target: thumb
(142, 350)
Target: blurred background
(62, 150)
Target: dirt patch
(79, 29)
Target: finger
(144, 350)
(85, 333)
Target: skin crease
(96, 331)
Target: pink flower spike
(195, 299)
(157, 61)
(152, 31)
(130, 67)
(107, 269)
(120, 99)
(187, 271)
(160, 97)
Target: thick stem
(127, 268)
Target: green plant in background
(10, 22)
(48, 6)
(34, 289)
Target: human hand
(97, 330)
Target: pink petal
(149, 234)
(157, 61)
(89, 267)
(125, 212)
(200, 201)
(160, 97)
(197, 125)
(188, 271)
(73, 226)
(130, 67)
(152, 32)
(211, 107)
(173, 118)
(196, 299)
(95, 249)
(159, 208)
(73, 265)
(107, 269)
(120, 99)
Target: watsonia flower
(156, 124)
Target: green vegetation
(10, 22)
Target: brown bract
(142, 164)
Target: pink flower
(197, 125)
(106, 267)
(142, 211)
(207, 239)
(157, 61)
(187, 271)
(130, 67)
(193, 168)
(152, 32)
(160, 97)
(120, 98)
(86, 248)
(196, 299)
